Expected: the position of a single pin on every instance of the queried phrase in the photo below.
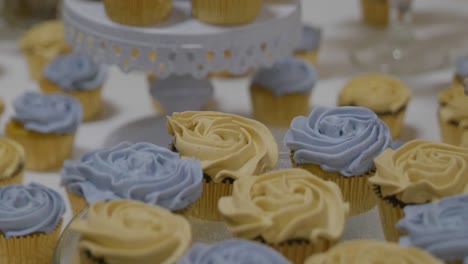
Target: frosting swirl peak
(340, 139)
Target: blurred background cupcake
(309, 49)
(12, 162)
(453, 114)
(138, 12)
(461, 71)
(387, 96)
(283, 91)
(2, 106)
(375, 12)
(226, 12)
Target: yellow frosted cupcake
(45, 125)
(416, 173)
(226, 12)
(291, 210)
(339, 144)
(372, 252)
(311, 38)
(41, 44)
(79, 76)
(124, 231)
(283, 91)
(11, 162)
(453, 114)
(388, 97)
(375, 12)
(229, 147)
(138, 12)
(30, 223)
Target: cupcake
(30, 223)
(461, 71)
(226, 12)
(78, 76)
(370, 251)
(440, 228)
(141, 171)
(417, 173)
(41, 44)
(386, 96)
(339, 144)
(124, 231)
(375, 12)
(138, 12)
(2, 106)
(283, 91)
(453, 114)
(45, 125)
(11, 162)
(232, 251)
(228, 146)
(291, 210)
(311, 37)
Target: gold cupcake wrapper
(15, 179)
(31, 249)
(138, 12)
(77, 202)
(206, 207)
(394, 122)
(375, 12)
(90, 100)
(450, 133)
(271, 109)
(226, 12)
(298, 251)
(389, 216)
(309, 56)
(355, 189)
(43, 151)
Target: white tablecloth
(128, 113)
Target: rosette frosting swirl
(440, 228)
(75, 72)
(53, 113)
(11, 158)
(371, 252)
(124, 231)
(379, 92)
(228, 146)
(340, 139)
(290, 75)
(233, 251)
(29, 209)
(284, 205)
(422, 171)
(141, 171)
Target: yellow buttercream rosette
(228, 146)
(372, 252)
(124, 231)
(11, 161)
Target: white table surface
(128, 112)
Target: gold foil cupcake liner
(31, 249)
(450, 132)
(226, 12)
(355, 189)
(15, 179)
(297, 251)
(43, 151)
(206, 207)
(138, 12)
(395, 122)
(271, 109)
(309, 56)
(389, 216)
(90, 100)
(77, 202)
(375, 12)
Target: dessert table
(128, 114)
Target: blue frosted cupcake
(441, 228)
(30, 223)
(45, 125)
(308, 50)
(340, 144)
(232, 251)
(141, 171)
(283, 91)
(79, 76)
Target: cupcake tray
(183, 45)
